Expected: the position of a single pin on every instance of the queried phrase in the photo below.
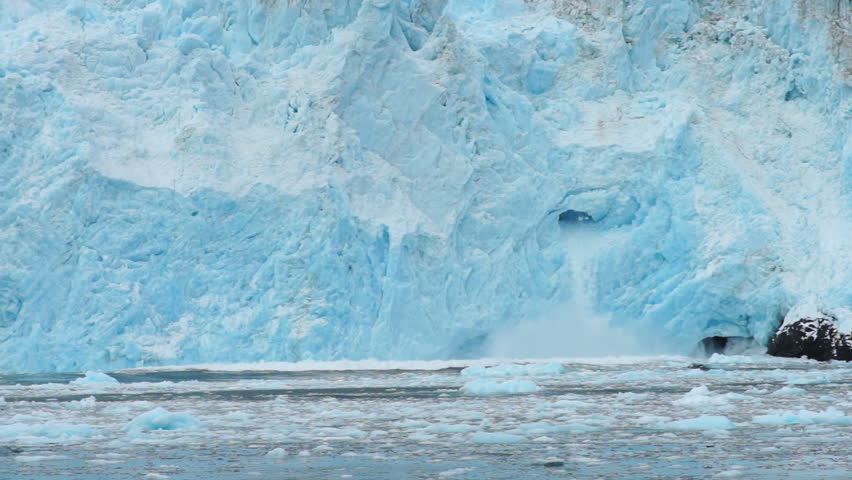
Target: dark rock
(699, 366)
(843, 348)
(815, 338)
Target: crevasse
(222, 180)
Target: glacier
(242, 180)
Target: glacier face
(221, 180)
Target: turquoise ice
(240, 180)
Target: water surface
(758, 417)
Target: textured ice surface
(277, 453)
(47, 432)
(484, 386)
(93, 377)
(404, 423)
(161, 419)
(239, 180)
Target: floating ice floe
(806, 379)
(788, 391)
(156, 476)
(454, 472)
(39, 458)
(704, 422)
(50, 432)
(94, 378)
(539, 428)
(82, 404)
(831, 416)
(702, 397)
(631, 396)
(161, 419)
(483, 386)
(277, 453)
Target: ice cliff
(220, 180)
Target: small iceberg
(94, 378)
(483, 386)
(162, 419)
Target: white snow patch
(51, 432)
(830, 416)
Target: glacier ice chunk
(830, 416)
(704, 422)
(277, 452)
(483, 386)
(161, 419)
(94, 378)
(42, 433)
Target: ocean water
(620, 417)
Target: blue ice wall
(221, 180)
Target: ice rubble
(830, 416)
(237, 180)
(704, 422)
(41, 433)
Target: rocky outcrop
(814, 338)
